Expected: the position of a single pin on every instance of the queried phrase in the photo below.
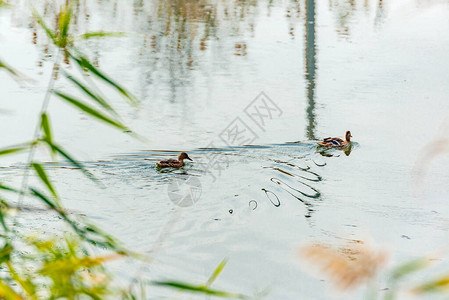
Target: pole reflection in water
(310, 62)
(380, 14)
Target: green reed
(203, 288)
(58, 267)
(63, 266)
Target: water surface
(376, 68)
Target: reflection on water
(345, 11)
(290, 176)
(274, 199)
(310, 58)
(293, 175)
(380, 13)
(173, 42)
(329, 152)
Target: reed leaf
(84, 63)
(94, 96)
(100, 34)
(2, 217)
(216, 272)
(83, 229)
(90, 110)
(6, 292)
(5, 252)
(63, 215)
(46, 200)
(66, 265)
(46, 128)
(436, 285)
(73, 161)
(4, 4)
(14, 149)
(40, 171)
(199, 289)
(9, 69)
(26, 284)
(8, 188)
(409, 267)
(106, 241)
(65, 17)
(44, 26)
(80, 231)
(45, 125)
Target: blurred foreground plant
(347, 267)
(54, 268)
(203, 288)
(63, 266)
(359, 265)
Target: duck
(336, 142)
(173, 163)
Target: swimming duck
(173, 163)
(336, 142)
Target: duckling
(173, 163)
(336, 142)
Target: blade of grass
(97, 98)
(199, 289)
(100, 34)
(409, 267)
(90, 110)
(44, 26)
(217, 272)
(73, 161)
(60, 212)
(5, 252)
(2, 220)
(14, 73)
(45, 125)
(46, 200)
(4, 4)
(84, 63)
(8, 188)
(6, 292)
(40, 171)
(4, 206)
(46, 128)
(9, 69)
(26, 285)
(15, 149)
(435, 285)
(108, 242)
(65, 17)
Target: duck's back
(331, 142)
(169, 163)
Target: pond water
(286, 73)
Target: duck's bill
(189, 158)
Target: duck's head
(348, 136)
(183, 156)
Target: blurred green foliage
(62, 266)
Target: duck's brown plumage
(173, 163)
(336, 142)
